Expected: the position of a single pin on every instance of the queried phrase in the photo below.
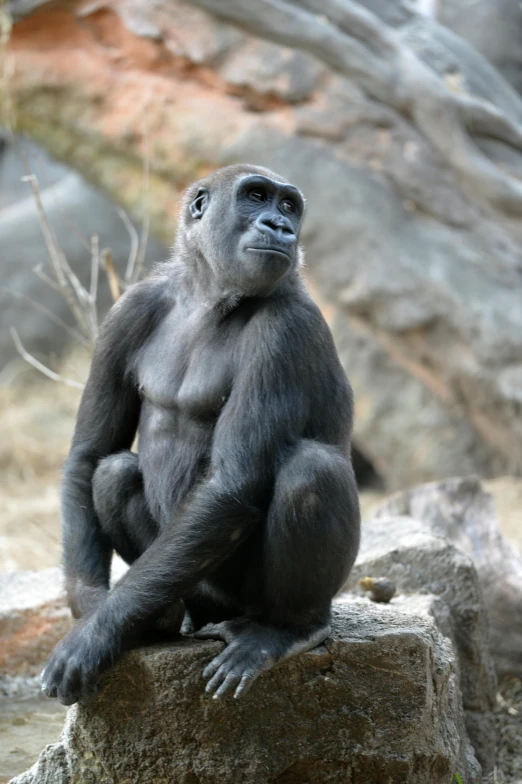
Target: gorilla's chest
(187, 365)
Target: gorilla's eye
(257, 196)
(288, 206)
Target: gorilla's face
(248, 229)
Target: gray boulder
(493, 28)
(380, 701)
(461, 511)
(442, 582)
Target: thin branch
(144, 238)
(50, 315)
(93, 290)
(55, 539)
(38, 271)
(95, 266)
(58, 260)
(144, 235)
(38, 365)
(135, 244)
(112, 275)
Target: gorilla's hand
(73, 670)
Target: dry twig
(134, 246)
(50, 315)
(112, 275)
(70, 287)
(82, 301)
(144, 235)
(39, 365)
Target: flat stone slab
(379, 702)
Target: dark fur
(242, 500)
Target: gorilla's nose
(276, 227)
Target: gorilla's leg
(310, 543)
(121, 506)
(126, 525)
(125, 518)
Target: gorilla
(239, 513)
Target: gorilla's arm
(106, 423)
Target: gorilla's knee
(311, 471)
(112, 480)
(115, 469)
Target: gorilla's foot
(252, 648)
(166, 625)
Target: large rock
(33, 617)
(379, 702)
(492, 27)
(460, 510)
(410, 244)
(445, 585)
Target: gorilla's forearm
(211, 527)
(86, 552)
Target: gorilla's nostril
(275, 225)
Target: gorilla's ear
(200, 204)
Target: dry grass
(36, 422)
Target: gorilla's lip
(267, 249)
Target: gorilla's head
(243, 222)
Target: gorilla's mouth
(276, 251)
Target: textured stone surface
(417, 270)
(419, 563)
(462, 512)
(379, 702)
(493, 28)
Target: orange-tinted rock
(33, 618)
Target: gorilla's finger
(50, 677)
(218, 660)
(216, 680)
(70, 688)
(231, 680)
(245, 684)
(212, 631)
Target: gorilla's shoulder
(135, 314)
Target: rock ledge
(379, 702)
